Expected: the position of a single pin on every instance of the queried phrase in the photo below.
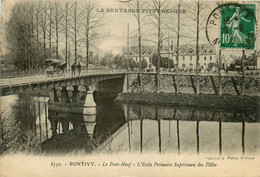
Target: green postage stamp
(238, 26)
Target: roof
(204, 49)
(134, 50)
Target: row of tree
(169, 26)
(37, 30)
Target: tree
(138, 5)
(107, 60)
(66, 28)
(75, 27)
(165, 62)
(92, 21)
(158, 20)
(50, 8)
(133, 64)
(57, 23)
(197, 16)
(104, 62)
(177, 22)
(118, 61)
(143, 64)
(43, 25)
(19, 36)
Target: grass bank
(191, 100)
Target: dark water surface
(136, 128)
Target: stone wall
(252, 85)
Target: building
(187, 56)
(147, 53)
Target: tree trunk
(140, 47)
(87, 41)
(57, 33)
(50, 26)
(75, 31)
(197, 49)
(37, 40)
(159, 49)
(219, 72)
(66, 35)
(178, 46)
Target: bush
(13, 139)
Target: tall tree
(138, 6)
(43, 25)
(75, 27)
(57, 24)
(37, 26)
(65, 24)
(19, 35)
(50, 8)
(92, 21)
(197, 15)
(175, 27)
(158, 20)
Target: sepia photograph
(129, 88)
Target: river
(134, 128)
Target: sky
(115, 31)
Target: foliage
(36, 30)
(13, 139)
(165, 62)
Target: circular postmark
(232, 25)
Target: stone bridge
(107, 81)
(37, 83)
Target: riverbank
(191, 100)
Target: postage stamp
(238, 27)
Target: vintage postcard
(129, 88)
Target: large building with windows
(147, 53)
(187, 56)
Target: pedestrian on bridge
(73, 68)
(79, 68)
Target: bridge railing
(24, 73)
(43, 72)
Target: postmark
(233, 26)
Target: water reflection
(110, 127)
(186, 130)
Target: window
(190, 51)
(210, 58)
(190, 58)
(191, 65)
(183, 65)
(205, 58)
(210, 51)
(183, 58)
